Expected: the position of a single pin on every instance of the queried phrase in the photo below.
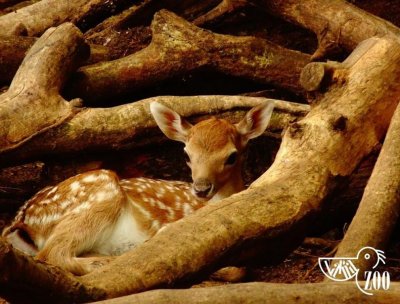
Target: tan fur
(213, 134)
(95, 213)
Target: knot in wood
(339, 123)
(296, 130)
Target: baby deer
(96, 213)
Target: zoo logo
(343, 269)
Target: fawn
(96, 213)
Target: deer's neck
(232, 186)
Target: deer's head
(213, 147)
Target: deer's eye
(231, 160)
(186, 155)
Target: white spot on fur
(39, 242)
(187, 209)
(159, 195)
(75, 186)
(50, 218)
(81, 207)
(101, 196)
(32, 220)
(155, 225)
(187, 196)
(145, 198)
(52, 191)
(90, 178)
(145, 213)
(65, 204)
(171, 212)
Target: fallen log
(380, 204)
(34, 19)
(333, 30)
(11, 6)
(19, 270)
(32, 104)
(334, 293)
(129, 31)
(14, 48)
(131, 125)
(222, 10)
(280, 206)
(8, 3)
(179, 47)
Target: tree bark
(281, 204)
(222, 10)
(333, 30)
(21, 271)
(334, 293)
(32, 104)
(34, 19)
(380, 205)
(13, 50)
(179, 47)
(131, 125)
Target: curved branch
(346, 29)
(21, 271)
(332, 293)
(32, 103)
(34, 19)
(280, 206)
(13, 50)
(179, 47)
(132, 125)
(380, 203)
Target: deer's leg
(84, 227)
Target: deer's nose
(203, 188)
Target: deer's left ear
(170, 122)
(255, 122)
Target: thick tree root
(333, 30)
(379, 209)
(179, 47)
(132, 125)
(32, 104)
(335, 293)
(281, 204)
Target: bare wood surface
(11, 6)
(21, 271)
(14, 48)
(307, 162)
(32, 104)
(132, 125)
(179, 47)
(333, 293)
(34, 19)
(222, 10)
(380, 205)
(346, 29)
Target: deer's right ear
(170, 122)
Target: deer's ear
(170, 122)
(255, 122)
